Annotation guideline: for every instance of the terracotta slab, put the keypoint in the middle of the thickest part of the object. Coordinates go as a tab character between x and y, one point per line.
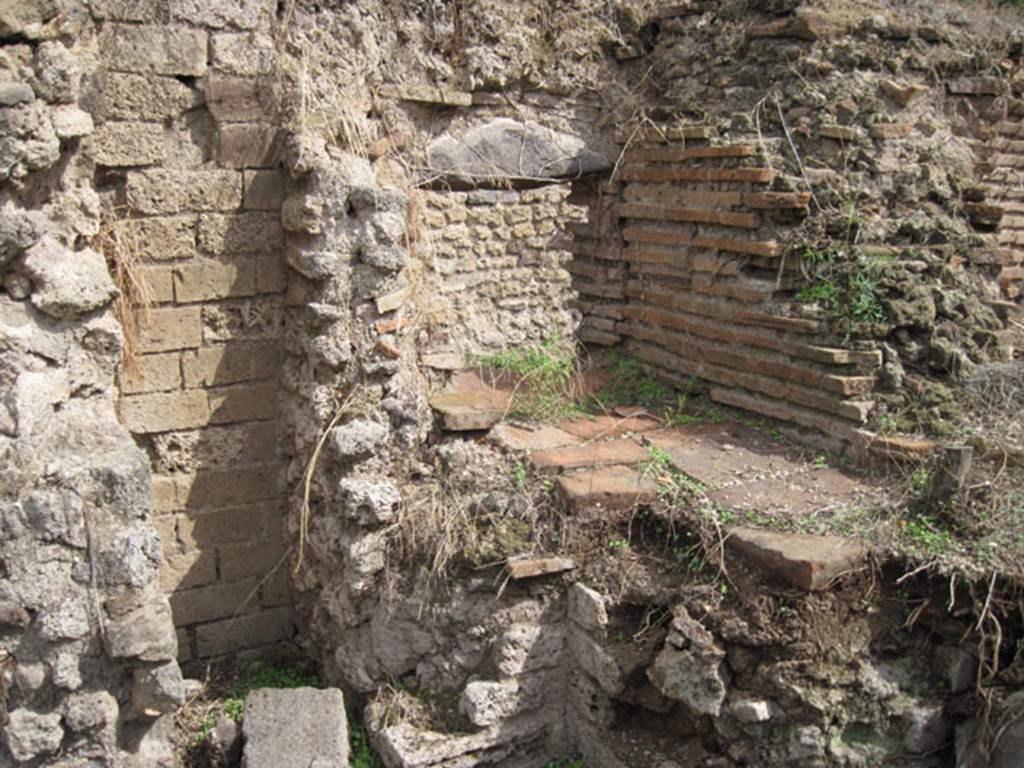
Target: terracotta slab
804	561
611	488
542	438
603	454
596	427
468	404
722	455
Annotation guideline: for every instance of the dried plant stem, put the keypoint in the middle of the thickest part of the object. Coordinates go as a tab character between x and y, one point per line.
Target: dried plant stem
307	480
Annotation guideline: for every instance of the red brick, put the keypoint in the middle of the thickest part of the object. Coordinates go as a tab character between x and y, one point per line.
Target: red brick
600	454
695	215
641	172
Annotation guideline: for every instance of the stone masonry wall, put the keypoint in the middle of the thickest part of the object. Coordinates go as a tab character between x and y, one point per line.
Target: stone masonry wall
497	269
87	647
187	146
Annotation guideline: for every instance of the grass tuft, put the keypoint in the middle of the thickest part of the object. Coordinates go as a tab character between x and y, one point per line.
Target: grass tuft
548	386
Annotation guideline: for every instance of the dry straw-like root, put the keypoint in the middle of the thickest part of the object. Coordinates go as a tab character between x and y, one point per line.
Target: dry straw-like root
119	242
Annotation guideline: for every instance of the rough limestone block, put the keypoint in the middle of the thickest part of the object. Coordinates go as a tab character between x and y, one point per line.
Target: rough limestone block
505	148
232	99
250	232
157	690
243	14
249	145
167	191
164	411
295	728
264	190
243	53
587	607
68	284
169	329
128	96
30	735
163	50
486	702
205	279
145	633
160	238
263	628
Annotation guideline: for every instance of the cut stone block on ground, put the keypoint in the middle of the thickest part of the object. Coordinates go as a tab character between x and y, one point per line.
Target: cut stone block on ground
801	560
610	488
295	728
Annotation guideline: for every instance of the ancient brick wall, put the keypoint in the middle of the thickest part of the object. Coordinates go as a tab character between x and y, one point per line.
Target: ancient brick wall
187	145
693	254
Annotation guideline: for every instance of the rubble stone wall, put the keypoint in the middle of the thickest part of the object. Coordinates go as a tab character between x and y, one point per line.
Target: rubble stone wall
88	674
497	263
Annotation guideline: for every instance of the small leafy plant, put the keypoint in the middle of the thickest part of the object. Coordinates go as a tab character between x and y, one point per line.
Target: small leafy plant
845	286
548	371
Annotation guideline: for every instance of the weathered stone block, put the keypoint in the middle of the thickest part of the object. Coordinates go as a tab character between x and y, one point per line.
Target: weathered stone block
170	191
587	607
71	122
227	488
230	525
145	633
128	144
243	403
164	411
187	570
164	50
160	238
297	726
159	282
264	190
249	145
229	364
165	494
243	53
67	284
243	14
157	690
486	702
205	279
151	373
358	438
127	96
259	558
263	628
271	276
250	232
215	601
127	10
169	329
233	99
31	735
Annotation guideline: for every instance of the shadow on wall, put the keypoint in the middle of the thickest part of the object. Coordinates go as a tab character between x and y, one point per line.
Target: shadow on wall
204	403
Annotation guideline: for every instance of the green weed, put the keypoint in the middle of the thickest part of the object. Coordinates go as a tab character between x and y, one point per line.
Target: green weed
566	763
920	480
845	286
361	755
928	537
269	676
548	371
